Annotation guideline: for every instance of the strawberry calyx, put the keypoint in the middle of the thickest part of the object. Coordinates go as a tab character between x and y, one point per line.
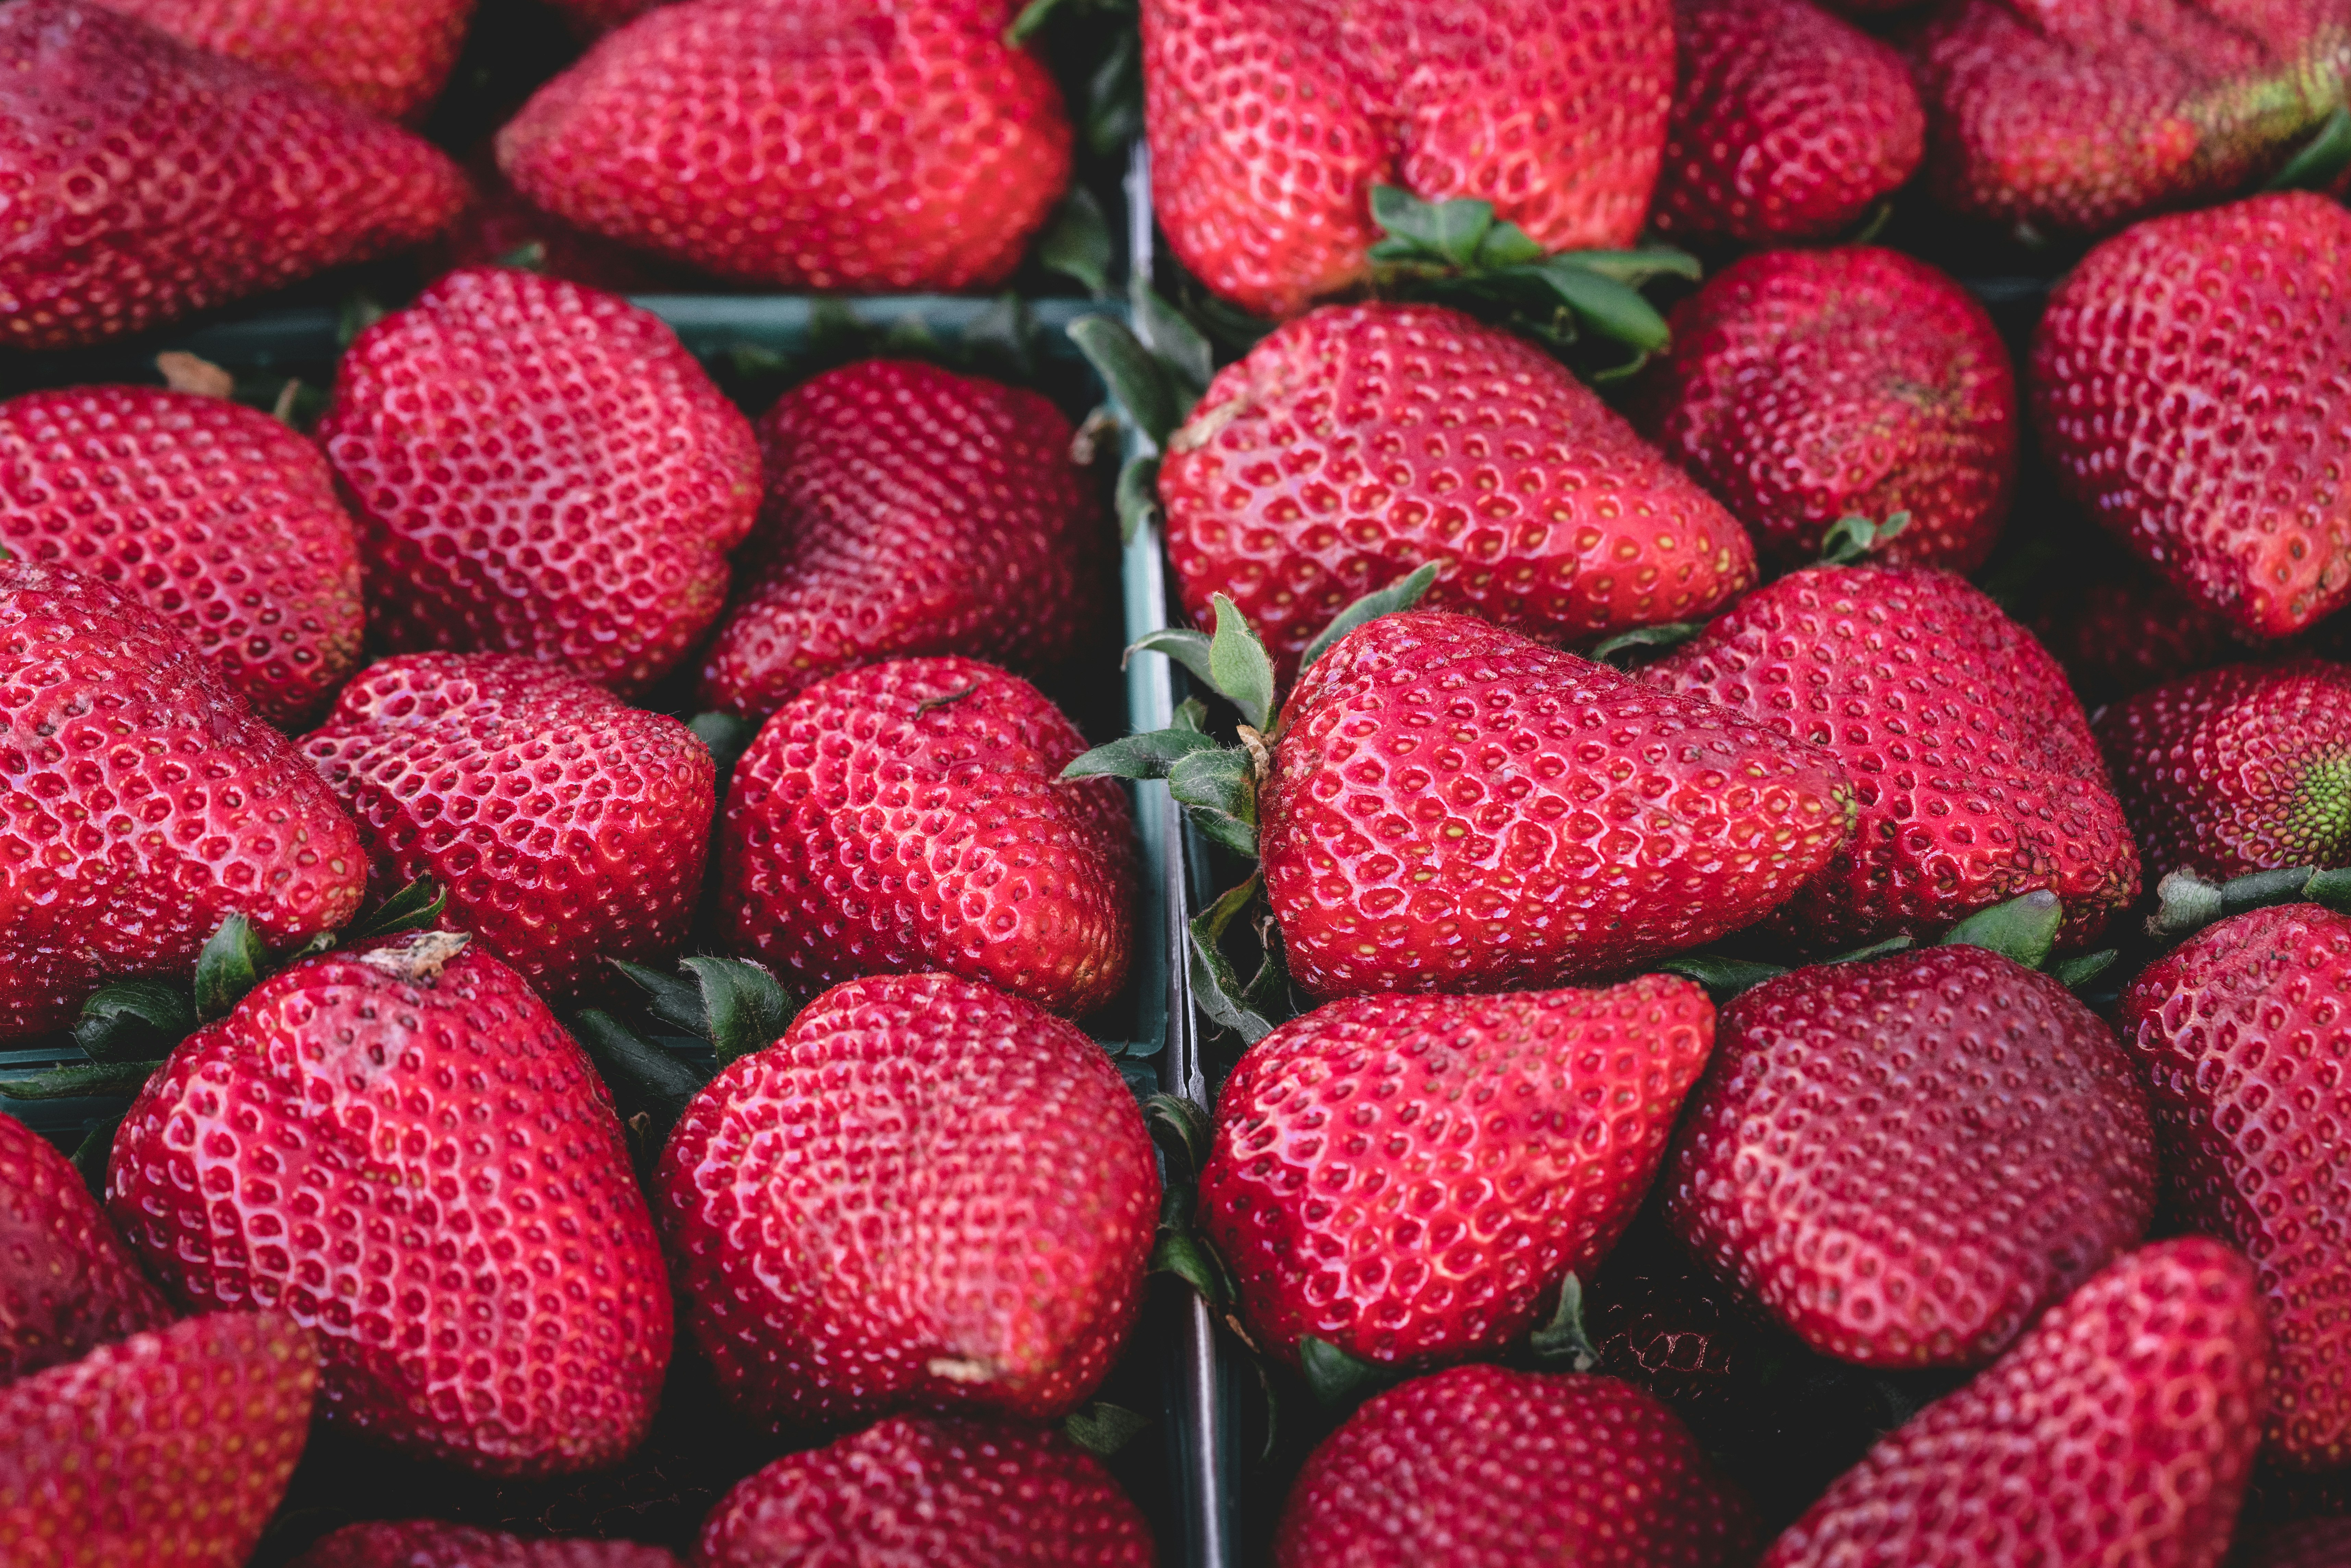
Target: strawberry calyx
2185	903
727	1008
1853	538
2319	161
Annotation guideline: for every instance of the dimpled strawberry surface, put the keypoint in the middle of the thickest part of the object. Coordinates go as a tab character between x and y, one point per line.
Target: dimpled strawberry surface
388	57
429	1544
67	1282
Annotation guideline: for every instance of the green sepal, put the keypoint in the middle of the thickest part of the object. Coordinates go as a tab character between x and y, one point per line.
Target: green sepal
1184	1254
727	736
1216	984
132	1019
1112	113
2320	160
359	311
1181	643
1852	536
636	1068
94	1152
2079	970
2186	904
1181	349
1561	1344
1722	977
1137	496
1143	386
1145	755
1637	267
1232	663
1337	1378
229	965
1184	1118
2021	930
73	1082
1217	787
743	1006
1402	594
1102	1429
1191	713
1665	634
1897	944
1076	244
530	256
414	908
672	1001
1614	311
1448	231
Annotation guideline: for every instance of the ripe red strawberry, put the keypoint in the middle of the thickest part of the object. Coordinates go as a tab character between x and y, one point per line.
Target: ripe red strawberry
1270	124
2119	1433
168	1450
1482	1468
960	1218
1906	1160
217	517
141	803
855	144
594	18
67	1284
539	468
2243	1035
148	180
2115	637
388	57
909	511
2307	1543
1974	769
498	228
402	1148
1787	123
429	1544
915	1489
568	826
1806	386
1352	446
912	816
1404	1177
2156	336
1453	807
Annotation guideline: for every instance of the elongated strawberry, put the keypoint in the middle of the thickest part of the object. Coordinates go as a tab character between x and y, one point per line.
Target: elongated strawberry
388	57
67	1285
429	1544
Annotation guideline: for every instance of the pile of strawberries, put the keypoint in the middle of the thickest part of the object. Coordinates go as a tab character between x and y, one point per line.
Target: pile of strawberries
1778	824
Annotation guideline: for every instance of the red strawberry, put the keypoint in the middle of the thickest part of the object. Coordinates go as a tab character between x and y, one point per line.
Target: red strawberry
539	468
141	803
429	1544
1352	446
1787	123
2309	1544
960	1217
2119	1433
2244	1038
568	826
1481	1468
2121	636
388	57
217	517
1975	772
949	1494
67	1284
853	144
498	228
1906	1160
594	18
403	1149
1270	124
1405	1178
2185	389
912	816
169	1450
1453	807
909	511
1806	386
147	179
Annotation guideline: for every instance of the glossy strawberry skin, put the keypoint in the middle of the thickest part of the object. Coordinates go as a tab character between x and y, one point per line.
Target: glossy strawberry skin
539	468
1512	1467
150	180
215	515
964	1225
1787	123
429	1544
846	145
2118	1433
1270	124
67	1285
2241	1034
1356	445
419	1165
2235	309
916	1488
168	1450
388	57
1444	794
141	803
909	512
1405	1178
1975	773
1804	386
1906	1160
867	835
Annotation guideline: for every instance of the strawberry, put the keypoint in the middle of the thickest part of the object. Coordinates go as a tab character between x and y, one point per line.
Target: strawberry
403	1150
909	511
2243	1035
1482	1468
539	468
217	517
590	19
857	144
2307	1543
1355	444
568	826
915	1489
141	803
1493	1145
498	228
168	1450
2118	1433
429	1544
1906	1160
1788	122
1973	766
2116	636
389	58
922	1239
1444	794
2161	326
1806	386
911	816
1270	124
67	1284
148	180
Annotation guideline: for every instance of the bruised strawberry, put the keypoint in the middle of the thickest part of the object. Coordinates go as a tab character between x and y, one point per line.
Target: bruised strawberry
429	1544
388	57
1356	445
1806	386
67	1284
